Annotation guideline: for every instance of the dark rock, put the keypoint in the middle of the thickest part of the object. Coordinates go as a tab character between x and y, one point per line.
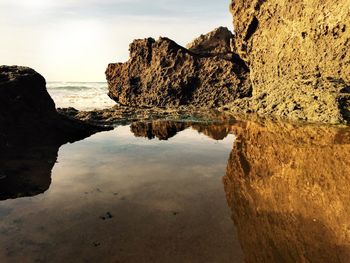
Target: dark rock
28	115
31	132
107	216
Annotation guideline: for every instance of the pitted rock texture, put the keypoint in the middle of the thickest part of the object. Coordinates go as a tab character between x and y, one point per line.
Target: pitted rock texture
298	54
162	73
217	42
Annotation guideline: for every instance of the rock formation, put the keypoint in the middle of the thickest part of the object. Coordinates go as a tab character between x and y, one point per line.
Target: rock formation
298	54
288	60
31	132
287	187
162	73
28	114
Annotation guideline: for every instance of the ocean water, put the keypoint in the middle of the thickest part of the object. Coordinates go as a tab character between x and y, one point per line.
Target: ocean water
80	95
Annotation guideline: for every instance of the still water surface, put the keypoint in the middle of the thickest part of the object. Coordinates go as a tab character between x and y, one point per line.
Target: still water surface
184	192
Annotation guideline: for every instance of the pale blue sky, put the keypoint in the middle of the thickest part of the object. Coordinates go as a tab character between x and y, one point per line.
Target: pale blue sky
74	40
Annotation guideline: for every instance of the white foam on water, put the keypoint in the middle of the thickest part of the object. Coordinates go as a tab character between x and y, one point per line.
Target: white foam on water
80	95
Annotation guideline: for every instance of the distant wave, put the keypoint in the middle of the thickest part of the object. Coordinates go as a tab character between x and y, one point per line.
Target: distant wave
76	85
80	95
78	88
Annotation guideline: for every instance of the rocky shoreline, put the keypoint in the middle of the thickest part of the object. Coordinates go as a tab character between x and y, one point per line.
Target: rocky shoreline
301	74
286	61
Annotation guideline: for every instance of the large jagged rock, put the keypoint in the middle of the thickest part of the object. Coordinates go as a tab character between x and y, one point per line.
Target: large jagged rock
288	189
162	73
298	53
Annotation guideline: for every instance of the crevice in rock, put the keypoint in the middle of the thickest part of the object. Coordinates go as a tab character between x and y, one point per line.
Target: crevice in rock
239	61
253	26
344	106
258	4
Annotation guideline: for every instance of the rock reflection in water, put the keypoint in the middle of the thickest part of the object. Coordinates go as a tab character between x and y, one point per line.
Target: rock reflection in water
117	198
26	162
288	189
26	171
164	130
286	185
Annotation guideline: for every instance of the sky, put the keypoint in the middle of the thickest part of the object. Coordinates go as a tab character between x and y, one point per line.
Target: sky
74	40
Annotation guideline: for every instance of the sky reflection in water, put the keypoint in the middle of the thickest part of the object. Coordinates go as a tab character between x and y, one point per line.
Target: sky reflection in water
118	198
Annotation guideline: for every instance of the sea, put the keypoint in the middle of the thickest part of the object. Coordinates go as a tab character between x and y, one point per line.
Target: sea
80	95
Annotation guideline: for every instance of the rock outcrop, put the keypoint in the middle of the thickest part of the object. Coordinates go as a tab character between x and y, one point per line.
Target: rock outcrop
298	54
162	73
31	132
28	114
287	186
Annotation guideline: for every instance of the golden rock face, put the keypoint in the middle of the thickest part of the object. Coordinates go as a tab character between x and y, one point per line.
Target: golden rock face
161	73
298	53
288	189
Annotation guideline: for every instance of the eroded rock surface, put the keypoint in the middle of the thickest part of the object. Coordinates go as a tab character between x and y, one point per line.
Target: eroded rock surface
287	186
298	54
162	73
217	42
